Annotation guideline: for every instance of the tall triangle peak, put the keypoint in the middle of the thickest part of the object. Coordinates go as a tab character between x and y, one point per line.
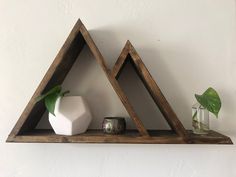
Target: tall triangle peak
57	72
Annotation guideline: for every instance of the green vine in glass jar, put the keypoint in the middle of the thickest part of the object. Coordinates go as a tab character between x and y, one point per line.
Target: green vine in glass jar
209	100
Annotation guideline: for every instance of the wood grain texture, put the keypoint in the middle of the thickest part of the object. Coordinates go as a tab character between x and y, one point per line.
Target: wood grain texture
24	130
129	53
130	137
56	74
212	137
113	82
120	62
124	99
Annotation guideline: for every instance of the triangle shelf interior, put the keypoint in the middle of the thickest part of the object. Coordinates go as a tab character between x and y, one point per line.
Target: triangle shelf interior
24	130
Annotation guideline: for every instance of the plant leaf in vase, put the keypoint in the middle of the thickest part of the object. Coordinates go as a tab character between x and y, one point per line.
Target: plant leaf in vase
50	102
51	97
210	100
56	89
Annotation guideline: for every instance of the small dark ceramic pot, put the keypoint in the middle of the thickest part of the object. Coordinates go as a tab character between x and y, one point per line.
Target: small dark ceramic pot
114	125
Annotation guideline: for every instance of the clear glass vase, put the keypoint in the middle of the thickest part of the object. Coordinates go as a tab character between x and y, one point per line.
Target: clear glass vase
200	118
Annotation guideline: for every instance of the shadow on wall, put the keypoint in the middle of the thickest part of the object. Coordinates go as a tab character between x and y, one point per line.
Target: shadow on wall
86	78
142	102
112	41
95	86
140	99
109	44
167	83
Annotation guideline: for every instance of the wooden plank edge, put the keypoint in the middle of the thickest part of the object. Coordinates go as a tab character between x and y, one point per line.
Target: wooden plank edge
95	139
23	117
120	62
224	140
125	101
98	56
156	93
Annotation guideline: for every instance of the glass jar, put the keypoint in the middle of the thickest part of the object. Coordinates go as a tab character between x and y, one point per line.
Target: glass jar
200	118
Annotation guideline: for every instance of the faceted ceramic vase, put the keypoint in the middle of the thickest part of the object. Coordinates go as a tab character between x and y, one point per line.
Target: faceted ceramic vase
72	116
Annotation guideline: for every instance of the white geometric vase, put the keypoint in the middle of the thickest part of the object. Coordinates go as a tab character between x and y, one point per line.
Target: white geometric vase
72	116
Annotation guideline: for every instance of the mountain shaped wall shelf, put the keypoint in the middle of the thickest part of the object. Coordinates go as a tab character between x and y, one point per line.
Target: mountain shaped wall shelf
25	131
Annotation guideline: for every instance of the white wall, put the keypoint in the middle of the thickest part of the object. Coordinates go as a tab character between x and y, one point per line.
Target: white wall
187	45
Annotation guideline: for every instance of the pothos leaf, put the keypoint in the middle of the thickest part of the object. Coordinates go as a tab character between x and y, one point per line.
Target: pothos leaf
51	97
50	102
210	100
56	89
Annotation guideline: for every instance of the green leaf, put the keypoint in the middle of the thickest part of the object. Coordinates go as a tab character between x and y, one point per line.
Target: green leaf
51	97
210	100
50	101
56	89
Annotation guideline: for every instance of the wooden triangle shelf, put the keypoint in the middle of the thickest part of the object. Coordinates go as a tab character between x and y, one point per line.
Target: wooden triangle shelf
25	131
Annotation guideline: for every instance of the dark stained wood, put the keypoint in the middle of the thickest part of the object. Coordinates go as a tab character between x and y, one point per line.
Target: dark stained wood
113	82
211	138
24	130
130	137
97	136
129	53
56	74
120	62
124	99
93	48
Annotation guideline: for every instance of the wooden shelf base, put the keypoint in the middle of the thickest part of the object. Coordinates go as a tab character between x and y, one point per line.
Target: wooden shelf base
130	137
57	72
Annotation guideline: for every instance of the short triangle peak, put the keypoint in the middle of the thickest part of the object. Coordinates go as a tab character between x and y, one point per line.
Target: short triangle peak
130	54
